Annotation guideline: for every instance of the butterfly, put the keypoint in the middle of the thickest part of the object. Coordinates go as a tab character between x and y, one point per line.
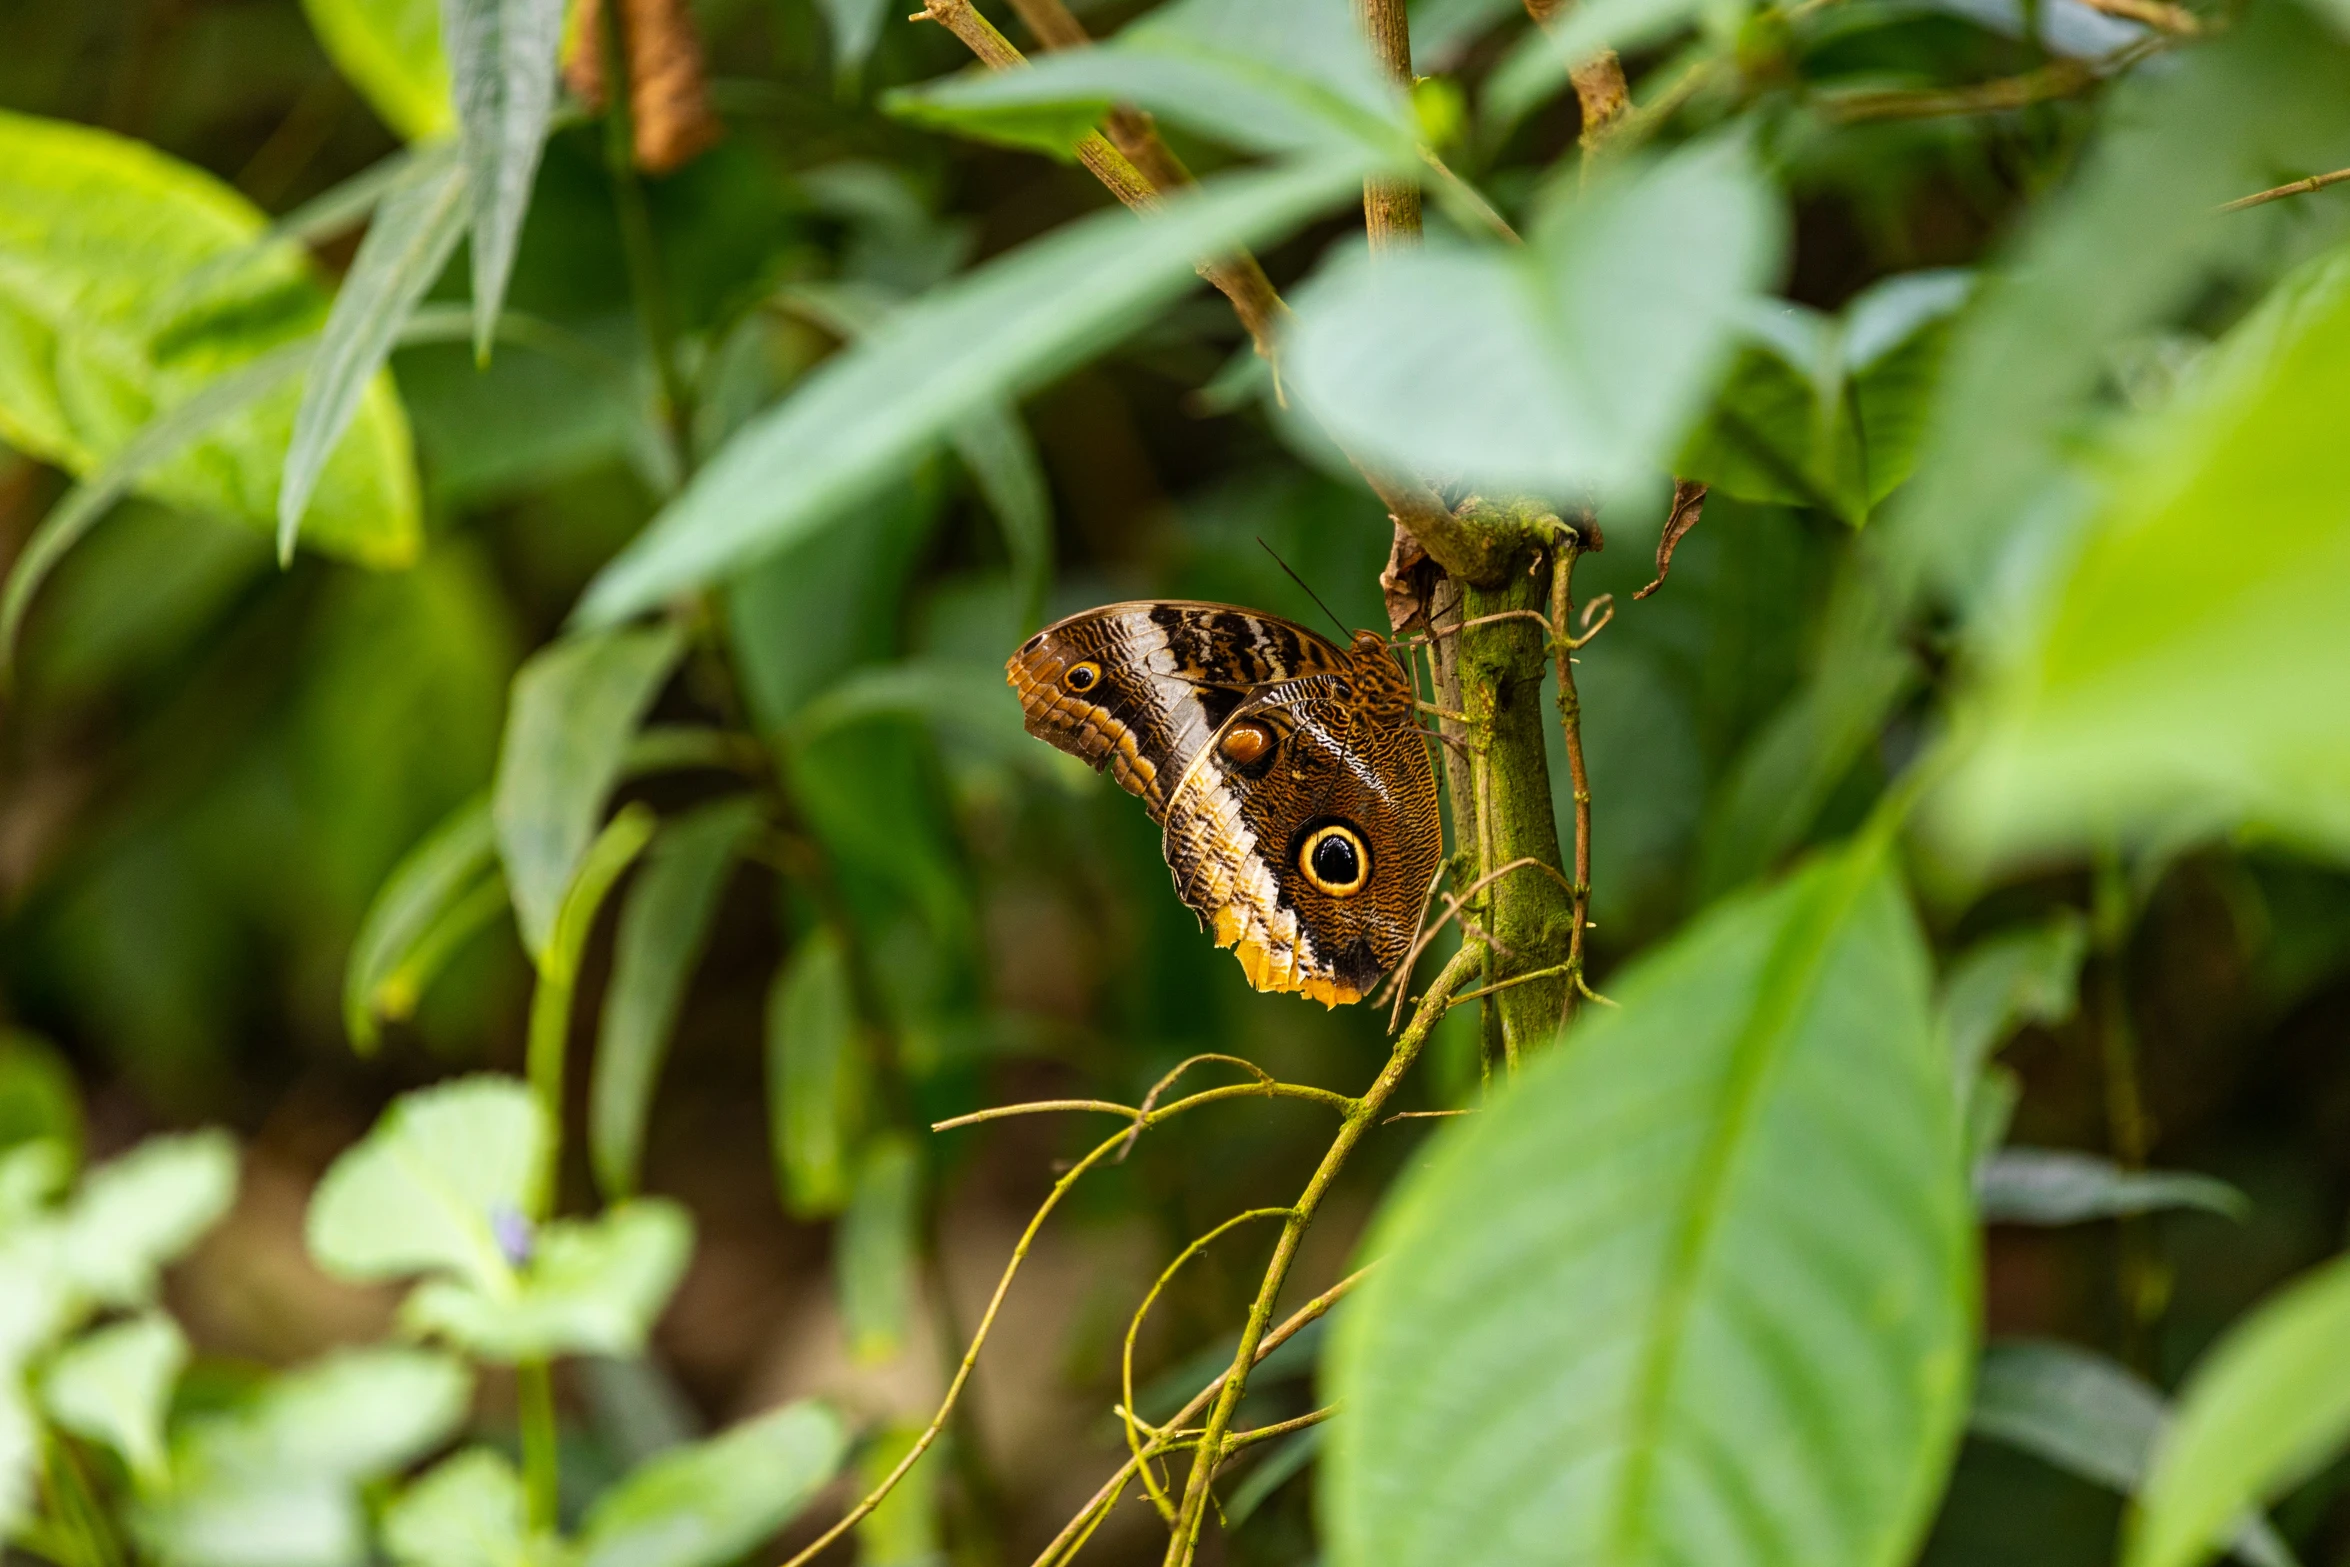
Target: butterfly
1287	773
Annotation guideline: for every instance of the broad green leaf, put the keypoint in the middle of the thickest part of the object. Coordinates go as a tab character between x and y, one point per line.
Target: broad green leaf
977	342
2266	1407
2074	736
815	1077
589	1287
903	1531
114	1386
439	893
575	705
275	1483
880	1245
468	1511
1573	362
663	928
2004	981
2057	1186
135	1213
2090	1417
549	1045
1828	411
708	1503
391	51
1294	77
427	1188
1698	1288
99	340
2133	240
415	230
501	57
39	1101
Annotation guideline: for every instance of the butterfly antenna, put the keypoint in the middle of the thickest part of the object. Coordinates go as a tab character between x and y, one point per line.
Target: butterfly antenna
1343	633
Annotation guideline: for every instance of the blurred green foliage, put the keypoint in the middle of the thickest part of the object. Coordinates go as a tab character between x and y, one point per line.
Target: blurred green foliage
615	802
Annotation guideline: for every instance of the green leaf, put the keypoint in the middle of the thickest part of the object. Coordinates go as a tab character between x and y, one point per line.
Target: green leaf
468	1511
2089	1417
2056	1186
136	1213
549	1046
1295	77
20	1455
1010	326
590	1287
1825	411
2073	735
706	1504
1573	362
439	892
274	1484
425	1189
815	1077
995	449
970	700
663	928
855	26
2004	981
39	1101
903	1531
114	1386
2266	1407
502	67
1698	1288
391	51
574	707
99	340
415	229
880	1248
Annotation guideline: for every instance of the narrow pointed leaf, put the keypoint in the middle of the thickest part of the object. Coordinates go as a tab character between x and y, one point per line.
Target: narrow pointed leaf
549	1046
501	57
2057	1186
1696	1289
994	447
574	708
663	928
982	340
417	226
384	977
880	1248
815	1077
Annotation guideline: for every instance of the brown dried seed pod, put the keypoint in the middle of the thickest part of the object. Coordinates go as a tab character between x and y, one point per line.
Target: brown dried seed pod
668	96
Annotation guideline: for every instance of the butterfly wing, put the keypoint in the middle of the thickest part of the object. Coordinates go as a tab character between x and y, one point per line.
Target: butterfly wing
1137	689
1307	833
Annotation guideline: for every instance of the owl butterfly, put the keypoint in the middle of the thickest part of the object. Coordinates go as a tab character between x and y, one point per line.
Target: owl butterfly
1289	779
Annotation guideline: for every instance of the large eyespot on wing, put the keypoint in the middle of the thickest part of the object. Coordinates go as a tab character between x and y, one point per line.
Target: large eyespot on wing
1334	859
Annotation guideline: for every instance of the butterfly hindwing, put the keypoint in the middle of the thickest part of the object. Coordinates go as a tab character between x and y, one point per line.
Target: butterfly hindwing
1294	789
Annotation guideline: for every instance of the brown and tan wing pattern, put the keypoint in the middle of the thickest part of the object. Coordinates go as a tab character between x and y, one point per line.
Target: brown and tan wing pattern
1137	689
1307	833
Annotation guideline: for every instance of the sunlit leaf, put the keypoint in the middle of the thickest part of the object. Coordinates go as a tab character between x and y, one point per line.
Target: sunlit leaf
391	51
709	1502
815	1077
2089	1417
114	1385
1269	78
2057	1186
1698	1288
589	1286
986	338
437	894
20	1452
663	928
501	56
38	1098
1574	362
2074	736
415	229
428	1188
137	1212
99	339
574	708
468	1511
880	1248
2265	1408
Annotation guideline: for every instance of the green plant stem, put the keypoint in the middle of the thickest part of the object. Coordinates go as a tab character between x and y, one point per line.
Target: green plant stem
534	1401
1570	700
2141	1278
1359	1119
639	250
